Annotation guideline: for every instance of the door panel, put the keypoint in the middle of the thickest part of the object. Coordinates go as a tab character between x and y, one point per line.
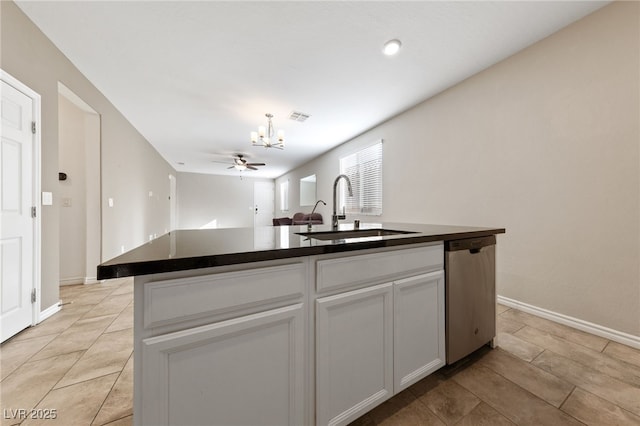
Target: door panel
17	232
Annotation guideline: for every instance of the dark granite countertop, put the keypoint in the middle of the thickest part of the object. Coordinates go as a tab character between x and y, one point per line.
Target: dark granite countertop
203	248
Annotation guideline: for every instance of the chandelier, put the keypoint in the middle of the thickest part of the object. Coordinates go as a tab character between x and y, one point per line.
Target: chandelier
267	137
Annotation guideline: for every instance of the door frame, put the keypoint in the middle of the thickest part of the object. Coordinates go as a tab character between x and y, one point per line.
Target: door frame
36	186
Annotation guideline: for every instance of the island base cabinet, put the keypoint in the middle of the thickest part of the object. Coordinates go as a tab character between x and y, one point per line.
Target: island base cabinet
354	353
418	328
244	371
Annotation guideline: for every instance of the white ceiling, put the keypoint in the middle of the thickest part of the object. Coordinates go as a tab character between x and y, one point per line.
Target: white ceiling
196	77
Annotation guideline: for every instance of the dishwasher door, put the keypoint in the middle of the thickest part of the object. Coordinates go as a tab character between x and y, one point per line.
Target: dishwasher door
470	280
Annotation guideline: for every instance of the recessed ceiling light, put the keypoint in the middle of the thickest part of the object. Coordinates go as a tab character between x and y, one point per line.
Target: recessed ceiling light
391	47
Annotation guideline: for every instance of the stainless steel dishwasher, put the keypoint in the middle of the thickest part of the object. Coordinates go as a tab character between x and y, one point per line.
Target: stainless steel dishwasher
470	281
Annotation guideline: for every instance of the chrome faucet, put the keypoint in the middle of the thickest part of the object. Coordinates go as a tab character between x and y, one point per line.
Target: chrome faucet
316	206
312	211
335	217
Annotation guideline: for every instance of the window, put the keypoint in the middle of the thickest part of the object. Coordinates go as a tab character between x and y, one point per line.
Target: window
364	169
284	196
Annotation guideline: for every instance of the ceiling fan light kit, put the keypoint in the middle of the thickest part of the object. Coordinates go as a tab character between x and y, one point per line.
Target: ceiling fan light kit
241	164
267	137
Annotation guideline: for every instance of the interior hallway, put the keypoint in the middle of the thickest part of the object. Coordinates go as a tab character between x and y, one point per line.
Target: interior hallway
79	362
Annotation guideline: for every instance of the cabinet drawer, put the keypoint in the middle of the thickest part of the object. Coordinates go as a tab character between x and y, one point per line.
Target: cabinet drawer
374	268
171	301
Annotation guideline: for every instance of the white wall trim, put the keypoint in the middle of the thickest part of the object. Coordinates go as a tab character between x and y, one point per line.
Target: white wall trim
36	315
72	281
589	327
49	311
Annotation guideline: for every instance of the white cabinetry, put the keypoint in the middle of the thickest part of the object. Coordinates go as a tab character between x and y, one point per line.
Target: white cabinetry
244	371
418	328
354	356
376	340
225	347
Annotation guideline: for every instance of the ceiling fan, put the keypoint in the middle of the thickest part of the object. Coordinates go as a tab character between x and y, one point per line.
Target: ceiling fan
241	164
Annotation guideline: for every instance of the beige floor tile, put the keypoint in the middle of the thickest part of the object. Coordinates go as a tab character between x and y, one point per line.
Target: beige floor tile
571	334
79	337
427	384
604	363
107	355
595	382
596	411
544	385
392	406
501	308
124	288
515	403
126	421
123	321
71	307
504	325
76	404
450	401
518	347
119	402
623	352
403	410
14	353
33	380
55	324
111	305
484	415
90	297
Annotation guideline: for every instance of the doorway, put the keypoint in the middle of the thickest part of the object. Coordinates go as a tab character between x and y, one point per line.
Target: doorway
264	203
79	188
20	206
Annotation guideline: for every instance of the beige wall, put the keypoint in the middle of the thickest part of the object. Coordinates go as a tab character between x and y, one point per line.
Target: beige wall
205	200
545	144
131	168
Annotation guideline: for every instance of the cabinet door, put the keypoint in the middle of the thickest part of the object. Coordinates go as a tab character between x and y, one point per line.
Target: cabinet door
245	371
354	353
419	340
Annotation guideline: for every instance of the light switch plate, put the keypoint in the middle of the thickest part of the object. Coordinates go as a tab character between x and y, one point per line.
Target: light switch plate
47	198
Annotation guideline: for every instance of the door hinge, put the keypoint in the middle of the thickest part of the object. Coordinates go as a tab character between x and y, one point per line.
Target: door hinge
33	211
33	127
33	296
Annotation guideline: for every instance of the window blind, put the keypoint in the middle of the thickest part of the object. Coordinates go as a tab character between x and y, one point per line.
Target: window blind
364	170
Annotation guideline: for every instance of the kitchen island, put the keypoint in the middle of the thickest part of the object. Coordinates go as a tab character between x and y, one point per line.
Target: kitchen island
274	325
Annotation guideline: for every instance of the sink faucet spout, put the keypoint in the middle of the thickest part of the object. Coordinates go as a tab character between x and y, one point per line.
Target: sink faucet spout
335	217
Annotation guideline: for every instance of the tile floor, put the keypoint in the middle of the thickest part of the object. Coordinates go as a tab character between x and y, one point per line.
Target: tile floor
79	362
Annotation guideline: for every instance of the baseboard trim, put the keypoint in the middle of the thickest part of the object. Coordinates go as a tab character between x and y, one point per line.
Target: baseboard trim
598	330
48	312
91	280
71	281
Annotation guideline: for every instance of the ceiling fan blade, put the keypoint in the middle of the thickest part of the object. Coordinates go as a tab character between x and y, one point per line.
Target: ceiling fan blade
232	167
255	164
251	167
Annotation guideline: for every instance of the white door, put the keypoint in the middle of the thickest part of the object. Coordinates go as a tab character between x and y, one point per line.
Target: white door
264	203
16	201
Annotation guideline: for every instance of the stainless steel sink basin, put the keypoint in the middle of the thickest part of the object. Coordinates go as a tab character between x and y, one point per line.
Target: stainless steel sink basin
355	233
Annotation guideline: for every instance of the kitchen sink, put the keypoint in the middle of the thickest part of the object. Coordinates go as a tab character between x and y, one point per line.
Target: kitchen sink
352	233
